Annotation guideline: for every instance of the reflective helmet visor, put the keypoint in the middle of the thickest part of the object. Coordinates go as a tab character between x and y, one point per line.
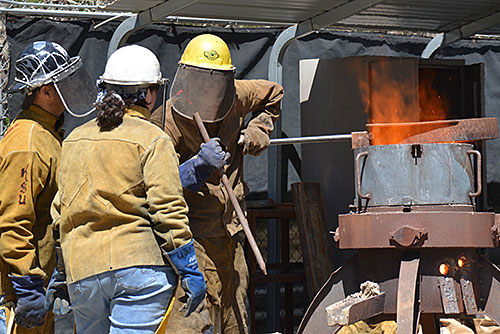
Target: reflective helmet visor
209	92
77	92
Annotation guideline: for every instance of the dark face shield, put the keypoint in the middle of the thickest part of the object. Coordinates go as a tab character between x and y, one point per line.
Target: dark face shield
76	90
209	92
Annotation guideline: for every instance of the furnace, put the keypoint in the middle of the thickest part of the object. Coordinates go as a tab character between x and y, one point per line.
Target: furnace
417	219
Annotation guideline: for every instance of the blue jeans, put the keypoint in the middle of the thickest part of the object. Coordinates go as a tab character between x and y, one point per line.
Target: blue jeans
131	300
3	320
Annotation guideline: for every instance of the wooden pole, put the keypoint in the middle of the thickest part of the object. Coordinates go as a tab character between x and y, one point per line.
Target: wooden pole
234	201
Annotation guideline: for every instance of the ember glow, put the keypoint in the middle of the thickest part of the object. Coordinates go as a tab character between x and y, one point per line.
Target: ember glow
397	92
444	269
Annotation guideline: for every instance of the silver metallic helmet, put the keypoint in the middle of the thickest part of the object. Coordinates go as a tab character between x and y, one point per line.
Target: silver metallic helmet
46	62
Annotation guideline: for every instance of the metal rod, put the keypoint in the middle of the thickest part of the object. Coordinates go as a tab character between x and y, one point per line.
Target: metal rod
107	15
311	139
60	13
234	201
40	4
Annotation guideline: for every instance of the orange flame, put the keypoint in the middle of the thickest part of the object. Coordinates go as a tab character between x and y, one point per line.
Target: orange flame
433	107
396	92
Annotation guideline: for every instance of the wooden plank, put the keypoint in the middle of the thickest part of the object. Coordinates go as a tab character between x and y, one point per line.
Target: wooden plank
317	244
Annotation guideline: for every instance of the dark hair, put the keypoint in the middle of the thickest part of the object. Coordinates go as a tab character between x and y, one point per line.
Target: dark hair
110	111
112	108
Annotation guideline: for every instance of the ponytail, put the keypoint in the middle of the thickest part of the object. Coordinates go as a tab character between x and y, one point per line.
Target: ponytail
111	107
110	111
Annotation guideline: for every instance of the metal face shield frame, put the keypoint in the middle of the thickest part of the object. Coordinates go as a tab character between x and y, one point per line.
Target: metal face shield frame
209	92
76	90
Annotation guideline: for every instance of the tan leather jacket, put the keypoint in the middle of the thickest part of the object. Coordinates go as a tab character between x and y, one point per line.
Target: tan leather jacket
120	198
211	214
29	158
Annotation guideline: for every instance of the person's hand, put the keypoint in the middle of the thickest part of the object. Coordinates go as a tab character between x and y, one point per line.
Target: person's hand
30	311
192	280
212	155
195	171
57	298
254	141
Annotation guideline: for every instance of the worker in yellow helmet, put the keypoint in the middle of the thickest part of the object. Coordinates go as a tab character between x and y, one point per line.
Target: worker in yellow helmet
205	83
119	214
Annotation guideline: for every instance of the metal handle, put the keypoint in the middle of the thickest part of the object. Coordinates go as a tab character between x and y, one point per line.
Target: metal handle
478	173
358	176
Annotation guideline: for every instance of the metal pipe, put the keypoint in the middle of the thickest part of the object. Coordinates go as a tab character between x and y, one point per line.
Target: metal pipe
60	13
311	139
106	15
39	4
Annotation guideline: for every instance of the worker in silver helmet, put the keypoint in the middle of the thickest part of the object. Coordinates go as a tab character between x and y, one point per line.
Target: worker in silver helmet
29	160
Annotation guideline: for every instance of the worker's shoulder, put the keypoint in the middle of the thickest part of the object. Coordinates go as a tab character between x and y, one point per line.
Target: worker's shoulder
23	134
87	129
252	84
142	130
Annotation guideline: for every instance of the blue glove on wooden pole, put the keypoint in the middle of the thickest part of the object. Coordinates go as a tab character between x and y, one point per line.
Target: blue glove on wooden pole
195	171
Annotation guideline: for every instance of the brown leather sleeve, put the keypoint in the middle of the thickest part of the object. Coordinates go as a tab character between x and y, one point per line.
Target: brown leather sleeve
22	175
165	121
263	99
167	207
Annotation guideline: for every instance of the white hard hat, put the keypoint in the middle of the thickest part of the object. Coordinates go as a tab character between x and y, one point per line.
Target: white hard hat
132	65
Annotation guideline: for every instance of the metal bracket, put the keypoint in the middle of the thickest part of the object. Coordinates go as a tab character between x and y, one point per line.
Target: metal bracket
407	236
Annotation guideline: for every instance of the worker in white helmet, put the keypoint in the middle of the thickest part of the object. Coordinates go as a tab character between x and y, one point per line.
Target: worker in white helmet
119	214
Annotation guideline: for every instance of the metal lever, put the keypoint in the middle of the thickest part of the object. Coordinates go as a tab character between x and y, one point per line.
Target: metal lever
311	139
478	173
358	176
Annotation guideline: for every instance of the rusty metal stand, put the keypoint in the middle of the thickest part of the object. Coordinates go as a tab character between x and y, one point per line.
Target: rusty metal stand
407	310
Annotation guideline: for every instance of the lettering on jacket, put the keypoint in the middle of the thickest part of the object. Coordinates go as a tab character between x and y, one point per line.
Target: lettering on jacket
24	185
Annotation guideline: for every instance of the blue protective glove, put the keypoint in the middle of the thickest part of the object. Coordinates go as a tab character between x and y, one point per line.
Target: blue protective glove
195	171
30	311
192	280
57	298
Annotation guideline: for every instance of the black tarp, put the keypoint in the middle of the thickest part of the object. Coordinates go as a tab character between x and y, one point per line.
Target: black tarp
250	49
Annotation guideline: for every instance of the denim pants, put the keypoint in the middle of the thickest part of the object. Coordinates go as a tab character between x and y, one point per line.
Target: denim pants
131	300
3	320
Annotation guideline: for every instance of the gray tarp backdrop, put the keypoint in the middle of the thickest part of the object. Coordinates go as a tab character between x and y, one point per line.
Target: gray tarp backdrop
250	50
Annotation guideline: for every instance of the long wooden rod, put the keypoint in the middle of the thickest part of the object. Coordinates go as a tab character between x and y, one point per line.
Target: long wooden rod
234	201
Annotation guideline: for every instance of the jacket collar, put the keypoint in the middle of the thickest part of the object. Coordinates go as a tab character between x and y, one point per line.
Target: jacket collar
138	111
50	122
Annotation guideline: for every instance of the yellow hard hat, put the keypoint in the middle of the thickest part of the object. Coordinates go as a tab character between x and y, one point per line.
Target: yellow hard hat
207	51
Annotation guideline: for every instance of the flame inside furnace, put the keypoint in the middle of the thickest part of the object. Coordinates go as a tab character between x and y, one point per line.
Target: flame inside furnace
396	91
